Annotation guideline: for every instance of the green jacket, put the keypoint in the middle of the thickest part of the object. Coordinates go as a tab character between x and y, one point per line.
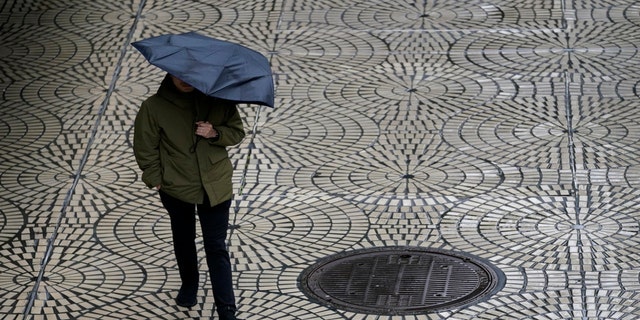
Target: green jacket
169	153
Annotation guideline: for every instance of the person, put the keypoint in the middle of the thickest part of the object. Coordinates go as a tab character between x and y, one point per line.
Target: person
180	140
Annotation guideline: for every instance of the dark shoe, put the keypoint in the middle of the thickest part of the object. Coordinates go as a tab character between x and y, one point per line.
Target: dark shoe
227	313
187	297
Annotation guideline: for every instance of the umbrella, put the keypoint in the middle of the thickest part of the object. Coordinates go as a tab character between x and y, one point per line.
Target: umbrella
217	68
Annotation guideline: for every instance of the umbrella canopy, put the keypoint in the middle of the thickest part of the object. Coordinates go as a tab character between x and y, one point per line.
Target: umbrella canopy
217	68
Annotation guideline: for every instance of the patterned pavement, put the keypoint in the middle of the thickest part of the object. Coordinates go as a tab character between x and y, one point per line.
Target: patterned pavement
503	129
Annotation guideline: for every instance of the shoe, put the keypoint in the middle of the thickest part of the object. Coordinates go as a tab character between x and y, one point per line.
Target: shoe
227	313
187	297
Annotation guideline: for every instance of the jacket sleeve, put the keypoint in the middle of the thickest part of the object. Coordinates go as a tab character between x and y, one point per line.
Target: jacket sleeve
231	132
146	146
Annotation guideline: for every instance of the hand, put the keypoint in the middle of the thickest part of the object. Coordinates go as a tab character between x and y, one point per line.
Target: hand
158	187
206	130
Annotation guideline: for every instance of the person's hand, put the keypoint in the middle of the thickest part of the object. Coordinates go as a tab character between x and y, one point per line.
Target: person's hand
158	187
206	130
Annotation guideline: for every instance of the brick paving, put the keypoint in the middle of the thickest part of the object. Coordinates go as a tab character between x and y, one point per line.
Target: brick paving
507	130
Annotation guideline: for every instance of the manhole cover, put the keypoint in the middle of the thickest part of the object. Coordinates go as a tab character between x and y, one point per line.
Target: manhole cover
400	280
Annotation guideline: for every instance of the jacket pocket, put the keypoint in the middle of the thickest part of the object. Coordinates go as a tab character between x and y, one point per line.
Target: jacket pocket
179	174
217	179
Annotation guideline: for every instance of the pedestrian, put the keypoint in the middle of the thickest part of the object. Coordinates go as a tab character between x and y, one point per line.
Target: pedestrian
180	140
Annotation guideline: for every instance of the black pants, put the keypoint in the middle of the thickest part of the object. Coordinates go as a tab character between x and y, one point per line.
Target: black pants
214	222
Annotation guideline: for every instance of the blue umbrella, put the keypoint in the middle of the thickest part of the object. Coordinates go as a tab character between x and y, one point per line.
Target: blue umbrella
217	68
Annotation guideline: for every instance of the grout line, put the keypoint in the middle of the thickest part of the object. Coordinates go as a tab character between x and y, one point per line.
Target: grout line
243	176
77	176
568	14
254	132
570	141
251	146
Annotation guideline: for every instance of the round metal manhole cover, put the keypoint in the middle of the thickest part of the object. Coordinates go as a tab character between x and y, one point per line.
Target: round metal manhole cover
400	280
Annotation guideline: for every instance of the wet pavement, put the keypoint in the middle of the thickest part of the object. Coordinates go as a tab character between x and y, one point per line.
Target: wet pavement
505	130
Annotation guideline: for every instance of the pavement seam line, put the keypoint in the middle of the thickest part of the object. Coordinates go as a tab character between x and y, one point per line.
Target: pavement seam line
77	176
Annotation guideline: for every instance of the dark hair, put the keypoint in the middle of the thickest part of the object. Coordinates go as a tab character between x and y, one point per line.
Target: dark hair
167	84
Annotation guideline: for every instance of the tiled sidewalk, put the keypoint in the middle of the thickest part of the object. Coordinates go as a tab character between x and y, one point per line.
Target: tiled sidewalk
508	130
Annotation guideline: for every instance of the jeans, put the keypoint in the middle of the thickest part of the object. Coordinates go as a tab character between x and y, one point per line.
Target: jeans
214	222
